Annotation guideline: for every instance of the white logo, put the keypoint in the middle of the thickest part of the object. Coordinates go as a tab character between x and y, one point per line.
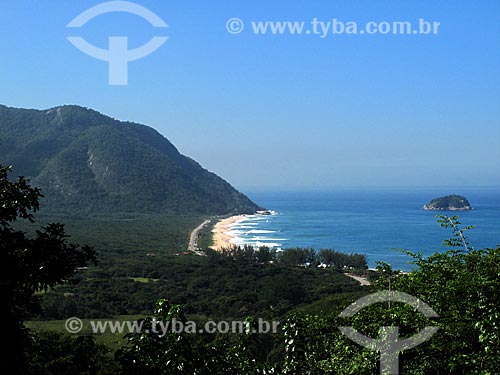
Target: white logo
389	345
117	55
73	325
234	25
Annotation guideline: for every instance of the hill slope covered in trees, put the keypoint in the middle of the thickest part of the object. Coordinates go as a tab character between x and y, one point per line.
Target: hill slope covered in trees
90	164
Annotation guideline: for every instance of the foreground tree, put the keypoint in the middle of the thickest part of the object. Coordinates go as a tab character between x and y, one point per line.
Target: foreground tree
178	351
462	285
29	264
56	353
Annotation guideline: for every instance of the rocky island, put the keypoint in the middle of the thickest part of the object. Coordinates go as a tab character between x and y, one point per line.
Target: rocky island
450	202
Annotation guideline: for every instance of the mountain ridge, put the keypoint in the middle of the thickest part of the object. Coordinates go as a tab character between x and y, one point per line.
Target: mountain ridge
90	164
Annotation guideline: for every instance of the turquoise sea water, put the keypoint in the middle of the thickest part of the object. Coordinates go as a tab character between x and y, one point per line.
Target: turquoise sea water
374	222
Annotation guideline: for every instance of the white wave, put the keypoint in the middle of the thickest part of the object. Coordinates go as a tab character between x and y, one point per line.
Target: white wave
260	231
255	218
237	241
268	244
234	232
261	238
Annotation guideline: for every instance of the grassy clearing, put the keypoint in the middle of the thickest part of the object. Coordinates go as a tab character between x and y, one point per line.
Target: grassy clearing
113	340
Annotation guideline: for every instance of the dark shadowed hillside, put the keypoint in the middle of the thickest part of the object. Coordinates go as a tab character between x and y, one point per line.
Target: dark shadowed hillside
90	164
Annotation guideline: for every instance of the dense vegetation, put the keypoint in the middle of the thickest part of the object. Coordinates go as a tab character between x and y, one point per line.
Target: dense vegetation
89	164
142	259
462	285
217	286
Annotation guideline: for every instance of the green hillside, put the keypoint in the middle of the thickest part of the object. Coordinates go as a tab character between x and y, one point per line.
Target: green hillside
89	164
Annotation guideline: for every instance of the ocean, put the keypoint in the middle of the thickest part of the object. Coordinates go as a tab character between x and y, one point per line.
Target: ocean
374	222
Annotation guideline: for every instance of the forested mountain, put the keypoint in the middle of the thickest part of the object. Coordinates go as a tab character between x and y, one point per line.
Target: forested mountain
89	164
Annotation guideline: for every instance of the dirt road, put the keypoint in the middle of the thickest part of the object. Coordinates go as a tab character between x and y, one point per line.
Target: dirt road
363	281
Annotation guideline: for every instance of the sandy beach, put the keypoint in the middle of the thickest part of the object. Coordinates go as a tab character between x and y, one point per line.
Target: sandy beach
220	234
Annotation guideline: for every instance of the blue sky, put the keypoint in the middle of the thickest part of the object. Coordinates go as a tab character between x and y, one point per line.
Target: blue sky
274	111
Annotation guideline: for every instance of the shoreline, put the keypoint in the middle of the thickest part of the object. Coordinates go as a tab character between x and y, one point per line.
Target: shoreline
220	235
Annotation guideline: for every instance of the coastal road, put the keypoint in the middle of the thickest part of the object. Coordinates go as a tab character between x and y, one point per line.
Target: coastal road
363	281
194	236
